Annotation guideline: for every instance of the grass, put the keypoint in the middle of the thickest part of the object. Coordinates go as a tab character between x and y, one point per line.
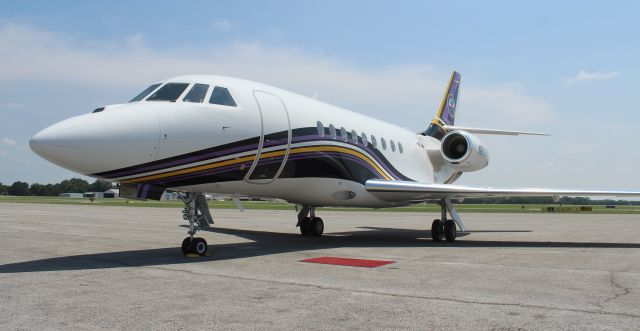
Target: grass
272	205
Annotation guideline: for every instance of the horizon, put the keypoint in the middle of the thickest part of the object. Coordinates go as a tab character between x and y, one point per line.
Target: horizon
560	68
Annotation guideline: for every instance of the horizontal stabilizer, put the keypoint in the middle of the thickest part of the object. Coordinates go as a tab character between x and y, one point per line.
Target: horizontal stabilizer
492	131
402	190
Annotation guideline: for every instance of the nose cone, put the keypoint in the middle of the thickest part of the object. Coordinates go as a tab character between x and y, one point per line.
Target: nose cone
55	143
93	143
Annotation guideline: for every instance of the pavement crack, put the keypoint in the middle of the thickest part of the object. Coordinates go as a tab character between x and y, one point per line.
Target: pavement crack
614	283
405	295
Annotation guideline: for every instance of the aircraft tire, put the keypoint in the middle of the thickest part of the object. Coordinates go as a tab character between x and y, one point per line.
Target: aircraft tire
305	227
437	230
186	246
316	227
200	246
450	230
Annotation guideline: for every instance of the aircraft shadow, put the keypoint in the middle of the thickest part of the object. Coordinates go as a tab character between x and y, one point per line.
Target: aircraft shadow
268	243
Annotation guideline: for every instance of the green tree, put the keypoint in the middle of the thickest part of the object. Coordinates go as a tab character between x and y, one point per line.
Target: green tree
19	188
100	186
73	185
3	189
40	190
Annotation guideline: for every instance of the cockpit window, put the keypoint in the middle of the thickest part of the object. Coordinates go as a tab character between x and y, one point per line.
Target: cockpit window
169	92
221	96
197	93
145	92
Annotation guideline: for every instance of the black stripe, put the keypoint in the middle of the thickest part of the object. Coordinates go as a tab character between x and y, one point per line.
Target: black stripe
317	167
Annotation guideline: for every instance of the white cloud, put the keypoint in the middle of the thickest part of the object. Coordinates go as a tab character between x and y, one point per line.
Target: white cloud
222	24
413	90
7	142
584	76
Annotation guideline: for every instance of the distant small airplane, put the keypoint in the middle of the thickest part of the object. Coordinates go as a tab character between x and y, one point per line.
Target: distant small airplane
212	134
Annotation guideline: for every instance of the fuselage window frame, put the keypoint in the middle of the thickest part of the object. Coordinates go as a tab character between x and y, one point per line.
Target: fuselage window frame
400	149
383	143
393	145
193	88
228	99
146	92
182	87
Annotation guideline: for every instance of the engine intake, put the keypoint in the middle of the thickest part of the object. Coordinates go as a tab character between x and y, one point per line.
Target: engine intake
464	152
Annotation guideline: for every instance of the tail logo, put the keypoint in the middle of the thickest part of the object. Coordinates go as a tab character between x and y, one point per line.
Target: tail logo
451	101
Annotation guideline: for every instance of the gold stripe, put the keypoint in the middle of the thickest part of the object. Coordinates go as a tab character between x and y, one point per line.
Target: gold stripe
190	170
263	156
444	97
343	150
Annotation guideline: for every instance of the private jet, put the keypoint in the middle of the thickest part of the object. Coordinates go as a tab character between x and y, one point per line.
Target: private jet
204	134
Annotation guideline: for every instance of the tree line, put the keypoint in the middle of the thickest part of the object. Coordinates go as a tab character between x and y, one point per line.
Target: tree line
73	185
549	201
78	185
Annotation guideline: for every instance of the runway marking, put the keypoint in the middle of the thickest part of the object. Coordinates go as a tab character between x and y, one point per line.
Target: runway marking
348	262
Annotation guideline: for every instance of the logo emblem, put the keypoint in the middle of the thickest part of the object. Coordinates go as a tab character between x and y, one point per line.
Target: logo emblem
451	101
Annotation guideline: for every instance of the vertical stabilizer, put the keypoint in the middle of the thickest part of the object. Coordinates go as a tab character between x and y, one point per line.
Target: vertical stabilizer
446	114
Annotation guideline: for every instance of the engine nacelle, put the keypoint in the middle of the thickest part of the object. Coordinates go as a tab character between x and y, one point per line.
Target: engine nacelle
464	151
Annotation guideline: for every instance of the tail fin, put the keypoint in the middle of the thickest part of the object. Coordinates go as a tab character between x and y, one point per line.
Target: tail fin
446	114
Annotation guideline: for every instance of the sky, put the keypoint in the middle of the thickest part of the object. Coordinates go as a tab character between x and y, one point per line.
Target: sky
568	68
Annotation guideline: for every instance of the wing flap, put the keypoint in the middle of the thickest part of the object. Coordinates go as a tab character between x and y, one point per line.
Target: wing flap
402	190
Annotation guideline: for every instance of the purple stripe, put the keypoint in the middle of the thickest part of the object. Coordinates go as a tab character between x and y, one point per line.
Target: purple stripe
370	151
241	149
307	155
184	161
143	191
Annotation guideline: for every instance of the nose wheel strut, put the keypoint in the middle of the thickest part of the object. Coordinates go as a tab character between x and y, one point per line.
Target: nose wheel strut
192	212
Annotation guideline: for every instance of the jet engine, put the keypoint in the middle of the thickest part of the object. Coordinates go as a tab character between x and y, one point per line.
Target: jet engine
464	151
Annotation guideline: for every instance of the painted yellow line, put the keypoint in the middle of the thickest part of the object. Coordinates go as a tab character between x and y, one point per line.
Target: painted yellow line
263	156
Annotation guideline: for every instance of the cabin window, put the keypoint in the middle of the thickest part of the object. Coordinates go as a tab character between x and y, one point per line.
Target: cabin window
364	139
400	147
332	131
374	142
354	136
383	143
221	96
146	92
393	145
320	129
197	93
343	134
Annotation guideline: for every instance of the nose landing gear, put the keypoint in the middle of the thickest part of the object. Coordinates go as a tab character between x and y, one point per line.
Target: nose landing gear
195	210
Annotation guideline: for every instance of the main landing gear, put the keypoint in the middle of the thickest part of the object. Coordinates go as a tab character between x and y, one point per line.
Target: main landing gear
444	227
196	212
310	225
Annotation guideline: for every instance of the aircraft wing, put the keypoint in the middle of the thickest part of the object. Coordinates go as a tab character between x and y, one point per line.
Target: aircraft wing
493	131
401	190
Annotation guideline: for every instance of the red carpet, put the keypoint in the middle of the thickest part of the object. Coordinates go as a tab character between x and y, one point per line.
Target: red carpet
348	262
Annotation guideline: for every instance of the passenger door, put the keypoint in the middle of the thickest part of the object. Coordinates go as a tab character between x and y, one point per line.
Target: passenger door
275	139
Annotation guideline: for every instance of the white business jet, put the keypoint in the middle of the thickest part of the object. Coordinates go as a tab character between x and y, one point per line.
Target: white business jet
214	134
